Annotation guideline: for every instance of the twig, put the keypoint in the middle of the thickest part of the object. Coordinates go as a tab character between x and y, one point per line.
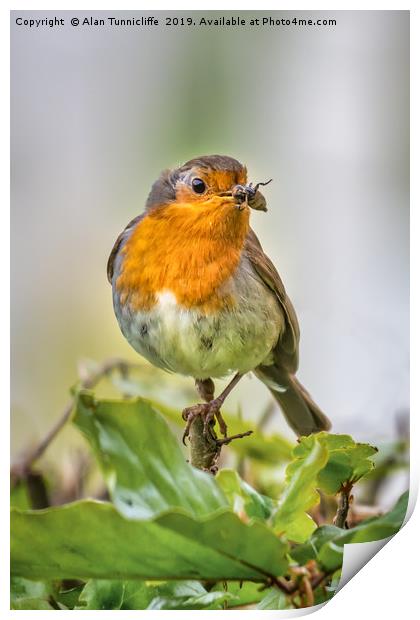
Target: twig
308	592
205	447
318	579
20	470
226	440
292	586
344	499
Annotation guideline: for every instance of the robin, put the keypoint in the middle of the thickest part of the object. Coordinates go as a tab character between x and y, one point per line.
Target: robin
195	294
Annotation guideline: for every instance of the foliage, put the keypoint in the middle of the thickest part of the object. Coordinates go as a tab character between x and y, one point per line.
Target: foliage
346	462
291	516
173	537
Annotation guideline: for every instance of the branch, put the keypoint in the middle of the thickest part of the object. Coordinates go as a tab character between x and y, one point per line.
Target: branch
205	448
344	500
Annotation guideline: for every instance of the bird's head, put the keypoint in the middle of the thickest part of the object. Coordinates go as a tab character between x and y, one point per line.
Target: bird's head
206	183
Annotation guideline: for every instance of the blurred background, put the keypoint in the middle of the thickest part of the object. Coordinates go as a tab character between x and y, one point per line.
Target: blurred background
98	112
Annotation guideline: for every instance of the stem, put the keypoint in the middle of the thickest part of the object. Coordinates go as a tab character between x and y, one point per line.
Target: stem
340	519
205	448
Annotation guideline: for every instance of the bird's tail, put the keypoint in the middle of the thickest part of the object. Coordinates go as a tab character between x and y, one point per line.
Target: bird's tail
302	414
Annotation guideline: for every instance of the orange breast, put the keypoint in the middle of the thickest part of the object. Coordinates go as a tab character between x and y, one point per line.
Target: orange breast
190	250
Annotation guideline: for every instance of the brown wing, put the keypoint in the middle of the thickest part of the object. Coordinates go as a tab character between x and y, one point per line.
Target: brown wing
120	239
286	352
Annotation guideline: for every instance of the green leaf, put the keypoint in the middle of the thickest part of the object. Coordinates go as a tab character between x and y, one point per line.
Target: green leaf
242	497
101	594
27	594
19	496
137	595
274	599
89	539
187	595
309	551
142	462
330	554
111	594
31	603
326	544
186	531
69	597
347	462
300	495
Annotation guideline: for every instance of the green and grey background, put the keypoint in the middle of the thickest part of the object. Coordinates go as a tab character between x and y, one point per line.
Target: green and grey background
97	112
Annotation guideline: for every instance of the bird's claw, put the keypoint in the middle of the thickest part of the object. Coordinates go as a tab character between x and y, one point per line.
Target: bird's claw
208	411
189	414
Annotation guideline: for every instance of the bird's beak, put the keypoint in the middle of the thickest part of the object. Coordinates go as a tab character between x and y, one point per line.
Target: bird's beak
250	195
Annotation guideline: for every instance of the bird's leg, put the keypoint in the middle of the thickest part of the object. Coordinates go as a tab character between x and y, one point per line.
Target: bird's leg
211	408
216	404
205	388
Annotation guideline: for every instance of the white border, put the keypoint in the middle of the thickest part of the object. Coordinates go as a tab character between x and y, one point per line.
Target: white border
376	589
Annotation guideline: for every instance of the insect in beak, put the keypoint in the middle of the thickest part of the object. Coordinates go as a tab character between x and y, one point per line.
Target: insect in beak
248	196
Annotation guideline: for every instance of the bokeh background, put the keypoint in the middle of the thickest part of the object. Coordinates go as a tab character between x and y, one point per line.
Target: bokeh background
324	111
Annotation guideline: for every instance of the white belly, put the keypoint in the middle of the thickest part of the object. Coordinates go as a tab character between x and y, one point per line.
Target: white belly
188	342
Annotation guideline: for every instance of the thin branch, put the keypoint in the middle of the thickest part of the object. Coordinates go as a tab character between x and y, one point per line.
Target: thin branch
308	592
344	500
227	440
204	449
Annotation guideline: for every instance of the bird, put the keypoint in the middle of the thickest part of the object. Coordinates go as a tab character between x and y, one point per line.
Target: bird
195	294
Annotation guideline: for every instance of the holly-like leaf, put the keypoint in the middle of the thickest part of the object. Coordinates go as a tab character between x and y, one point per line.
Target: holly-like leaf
347	462
300	494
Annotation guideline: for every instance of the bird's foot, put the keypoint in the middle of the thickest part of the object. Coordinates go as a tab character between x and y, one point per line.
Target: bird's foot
209	412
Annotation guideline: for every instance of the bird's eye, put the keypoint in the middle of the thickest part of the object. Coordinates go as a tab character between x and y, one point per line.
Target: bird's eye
198	186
